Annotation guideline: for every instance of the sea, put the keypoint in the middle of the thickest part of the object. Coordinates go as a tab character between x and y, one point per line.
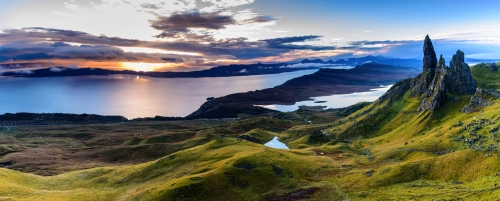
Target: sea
137	96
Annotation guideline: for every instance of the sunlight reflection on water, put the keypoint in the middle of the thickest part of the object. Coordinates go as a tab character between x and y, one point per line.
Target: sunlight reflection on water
129	96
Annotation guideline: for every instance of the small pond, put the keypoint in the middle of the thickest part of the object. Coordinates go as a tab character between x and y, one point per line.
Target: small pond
274	143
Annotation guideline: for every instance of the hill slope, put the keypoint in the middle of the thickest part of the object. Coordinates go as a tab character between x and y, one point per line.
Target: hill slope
425	139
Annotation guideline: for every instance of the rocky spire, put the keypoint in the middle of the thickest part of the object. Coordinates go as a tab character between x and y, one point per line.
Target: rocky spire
437	80
430	60
460	76
421	83
457	80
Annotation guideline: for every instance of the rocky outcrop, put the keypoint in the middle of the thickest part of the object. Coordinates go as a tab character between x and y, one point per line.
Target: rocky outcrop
493	67
317	136
437	81
478	101
430	59
435	96
421	83
460	78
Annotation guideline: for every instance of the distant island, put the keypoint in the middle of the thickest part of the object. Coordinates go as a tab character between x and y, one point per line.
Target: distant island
219	71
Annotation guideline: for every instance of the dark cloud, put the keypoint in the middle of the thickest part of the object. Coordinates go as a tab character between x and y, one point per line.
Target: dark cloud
183	21
28	51
179	24
259	19
70	33
60	35
172	60
382	42
293	39
285	43
56	46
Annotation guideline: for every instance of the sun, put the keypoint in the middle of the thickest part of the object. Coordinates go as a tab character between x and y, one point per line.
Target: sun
141	66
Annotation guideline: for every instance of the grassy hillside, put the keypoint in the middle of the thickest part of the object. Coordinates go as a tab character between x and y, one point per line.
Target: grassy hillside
485	77
383	151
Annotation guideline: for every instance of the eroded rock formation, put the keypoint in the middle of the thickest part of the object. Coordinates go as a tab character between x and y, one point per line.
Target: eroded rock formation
421	83
435	97
430	60
437	80
460	78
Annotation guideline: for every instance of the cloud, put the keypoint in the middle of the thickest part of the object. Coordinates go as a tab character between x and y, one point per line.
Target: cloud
286	43
183	21
73	66
172	60
233	47
244	71
60	14
23	71
35	43
73	7
2	69
379	43
228	3
56	69
150	6
218	5
247	16
182	25
30	51
293	39
301	65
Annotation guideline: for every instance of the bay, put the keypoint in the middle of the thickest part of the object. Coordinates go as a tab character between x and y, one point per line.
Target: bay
128	96
334	101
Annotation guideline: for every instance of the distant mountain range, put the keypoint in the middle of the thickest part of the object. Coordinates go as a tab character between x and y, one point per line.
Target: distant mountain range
221	71
369	58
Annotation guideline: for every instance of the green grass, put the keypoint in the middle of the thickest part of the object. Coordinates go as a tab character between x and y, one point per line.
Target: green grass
383	151
486	78
224	169
4	149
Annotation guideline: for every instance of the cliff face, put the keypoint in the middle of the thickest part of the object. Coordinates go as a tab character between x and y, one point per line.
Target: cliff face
437	80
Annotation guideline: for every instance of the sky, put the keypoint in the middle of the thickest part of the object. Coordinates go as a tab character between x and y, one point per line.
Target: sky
184	35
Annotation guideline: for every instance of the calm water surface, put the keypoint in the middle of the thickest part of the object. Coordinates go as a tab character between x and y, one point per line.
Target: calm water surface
335	101
275	143
129	96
